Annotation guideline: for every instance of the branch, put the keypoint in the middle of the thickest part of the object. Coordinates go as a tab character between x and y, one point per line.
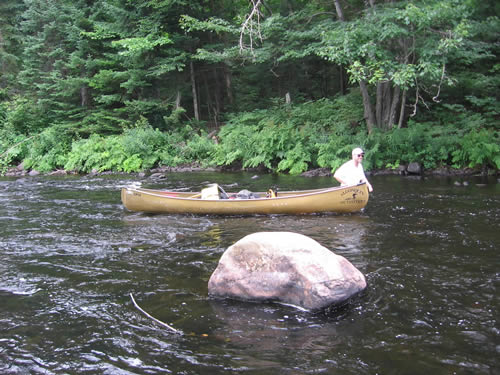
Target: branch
153	318
17	144
248	25
417	95
435	98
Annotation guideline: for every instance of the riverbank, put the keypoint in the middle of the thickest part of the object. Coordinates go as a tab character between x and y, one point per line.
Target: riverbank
413	169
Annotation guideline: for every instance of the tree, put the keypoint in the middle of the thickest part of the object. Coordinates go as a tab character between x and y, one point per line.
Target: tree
10	41
397	47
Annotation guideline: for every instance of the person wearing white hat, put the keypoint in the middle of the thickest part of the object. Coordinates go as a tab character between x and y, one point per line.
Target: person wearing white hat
352	172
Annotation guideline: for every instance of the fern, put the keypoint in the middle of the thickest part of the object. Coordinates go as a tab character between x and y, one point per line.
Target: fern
295	160
478	149
48	150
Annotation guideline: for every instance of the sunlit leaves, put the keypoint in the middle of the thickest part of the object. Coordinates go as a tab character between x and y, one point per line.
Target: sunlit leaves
404	77
213	24
135	47
99	33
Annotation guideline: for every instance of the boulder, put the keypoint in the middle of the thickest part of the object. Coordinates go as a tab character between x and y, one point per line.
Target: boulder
319	172
414	168
58	172
285	267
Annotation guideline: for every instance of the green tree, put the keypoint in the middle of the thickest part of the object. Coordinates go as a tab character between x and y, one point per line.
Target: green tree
397	48
10	41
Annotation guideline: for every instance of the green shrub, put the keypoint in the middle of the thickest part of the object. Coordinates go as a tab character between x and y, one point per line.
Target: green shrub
478	149
14	147
284	138
199	148
48	150
97	153
24	116
144	142
290	139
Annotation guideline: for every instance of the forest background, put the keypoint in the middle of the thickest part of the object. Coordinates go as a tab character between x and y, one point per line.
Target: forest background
285	85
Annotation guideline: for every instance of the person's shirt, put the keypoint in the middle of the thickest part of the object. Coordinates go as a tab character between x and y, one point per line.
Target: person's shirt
350	174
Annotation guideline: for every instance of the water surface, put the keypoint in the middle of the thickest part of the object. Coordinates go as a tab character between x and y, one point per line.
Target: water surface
71	256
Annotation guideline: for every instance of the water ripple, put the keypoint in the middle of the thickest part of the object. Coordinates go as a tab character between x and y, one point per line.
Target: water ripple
71	255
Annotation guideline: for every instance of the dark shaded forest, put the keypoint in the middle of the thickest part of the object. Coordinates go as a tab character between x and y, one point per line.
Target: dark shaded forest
285	85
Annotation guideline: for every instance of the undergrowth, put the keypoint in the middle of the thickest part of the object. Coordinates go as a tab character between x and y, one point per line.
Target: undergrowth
286	139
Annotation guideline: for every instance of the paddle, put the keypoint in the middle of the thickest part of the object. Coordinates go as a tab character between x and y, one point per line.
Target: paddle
223	192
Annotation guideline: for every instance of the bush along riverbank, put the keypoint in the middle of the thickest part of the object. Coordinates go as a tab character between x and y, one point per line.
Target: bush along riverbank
314	136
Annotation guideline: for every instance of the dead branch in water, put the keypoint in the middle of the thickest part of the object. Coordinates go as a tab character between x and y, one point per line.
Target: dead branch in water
153	318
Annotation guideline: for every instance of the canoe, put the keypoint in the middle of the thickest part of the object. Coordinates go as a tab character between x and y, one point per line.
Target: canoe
335	199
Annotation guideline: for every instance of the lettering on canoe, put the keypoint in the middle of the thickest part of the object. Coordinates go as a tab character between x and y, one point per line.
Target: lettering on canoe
353	196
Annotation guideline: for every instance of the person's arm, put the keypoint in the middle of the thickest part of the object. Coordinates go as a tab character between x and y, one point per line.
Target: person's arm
339	175
339	179
370	188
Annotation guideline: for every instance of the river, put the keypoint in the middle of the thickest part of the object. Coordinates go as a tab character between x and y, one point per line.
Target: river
71	255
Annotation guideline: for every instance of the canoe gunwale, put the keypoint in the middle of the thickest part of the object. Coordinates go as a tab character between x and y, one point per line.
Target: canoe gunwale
289	194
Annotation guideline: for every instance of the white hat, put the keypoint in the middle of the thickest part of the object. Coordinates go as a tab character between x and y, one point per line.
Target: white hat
357	151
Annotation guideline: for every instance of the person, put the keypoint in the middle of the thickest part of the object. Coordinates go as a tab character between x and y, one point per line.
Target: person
351	172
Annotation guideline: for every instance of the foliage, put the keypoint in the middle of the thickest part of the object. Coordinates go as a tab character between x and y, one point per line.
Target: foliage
285	138
404	46
13	148
112	85
99	153
47	151
138	148
478	149
416	143
24	116
135	150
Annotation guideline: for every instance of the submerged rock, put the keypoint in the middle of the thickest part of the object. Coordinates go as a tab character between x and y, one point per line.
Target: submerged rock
285	267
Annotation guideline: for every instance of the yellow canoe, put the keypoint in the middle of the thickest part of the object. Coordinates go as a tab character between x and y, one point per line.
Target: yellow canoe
335	199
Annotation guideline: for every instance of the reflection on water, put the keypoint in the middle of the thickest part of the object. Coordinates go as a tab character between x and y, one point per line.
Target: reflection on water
71	255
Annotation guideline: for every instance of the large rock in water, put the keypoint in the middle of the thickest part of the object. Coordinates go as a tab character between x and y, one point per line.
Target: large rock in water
285	267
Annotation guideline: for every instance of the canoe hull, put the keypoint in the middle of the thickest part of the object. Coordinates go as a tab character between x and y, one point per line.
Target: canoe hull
338	199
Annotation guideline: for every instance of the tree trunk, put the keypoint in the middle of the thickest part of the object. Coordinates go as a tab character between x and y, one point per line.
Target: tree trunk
402	110
208	97
338	9
379	102
229	91
383	104
195	92
217	96
84	96
178	100
369	115
387	104
395	100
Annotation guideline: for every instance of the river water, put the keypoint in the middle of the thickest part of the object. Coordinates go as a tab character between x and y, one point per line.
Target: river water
71	255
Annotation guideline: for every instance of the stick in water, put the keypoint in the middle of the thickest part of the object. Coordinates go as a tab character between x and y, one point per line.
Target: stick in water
152	317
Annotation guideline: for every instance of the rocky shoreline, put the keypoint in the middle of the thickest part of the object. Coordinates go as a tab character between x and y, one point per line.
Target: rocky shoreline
412	169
